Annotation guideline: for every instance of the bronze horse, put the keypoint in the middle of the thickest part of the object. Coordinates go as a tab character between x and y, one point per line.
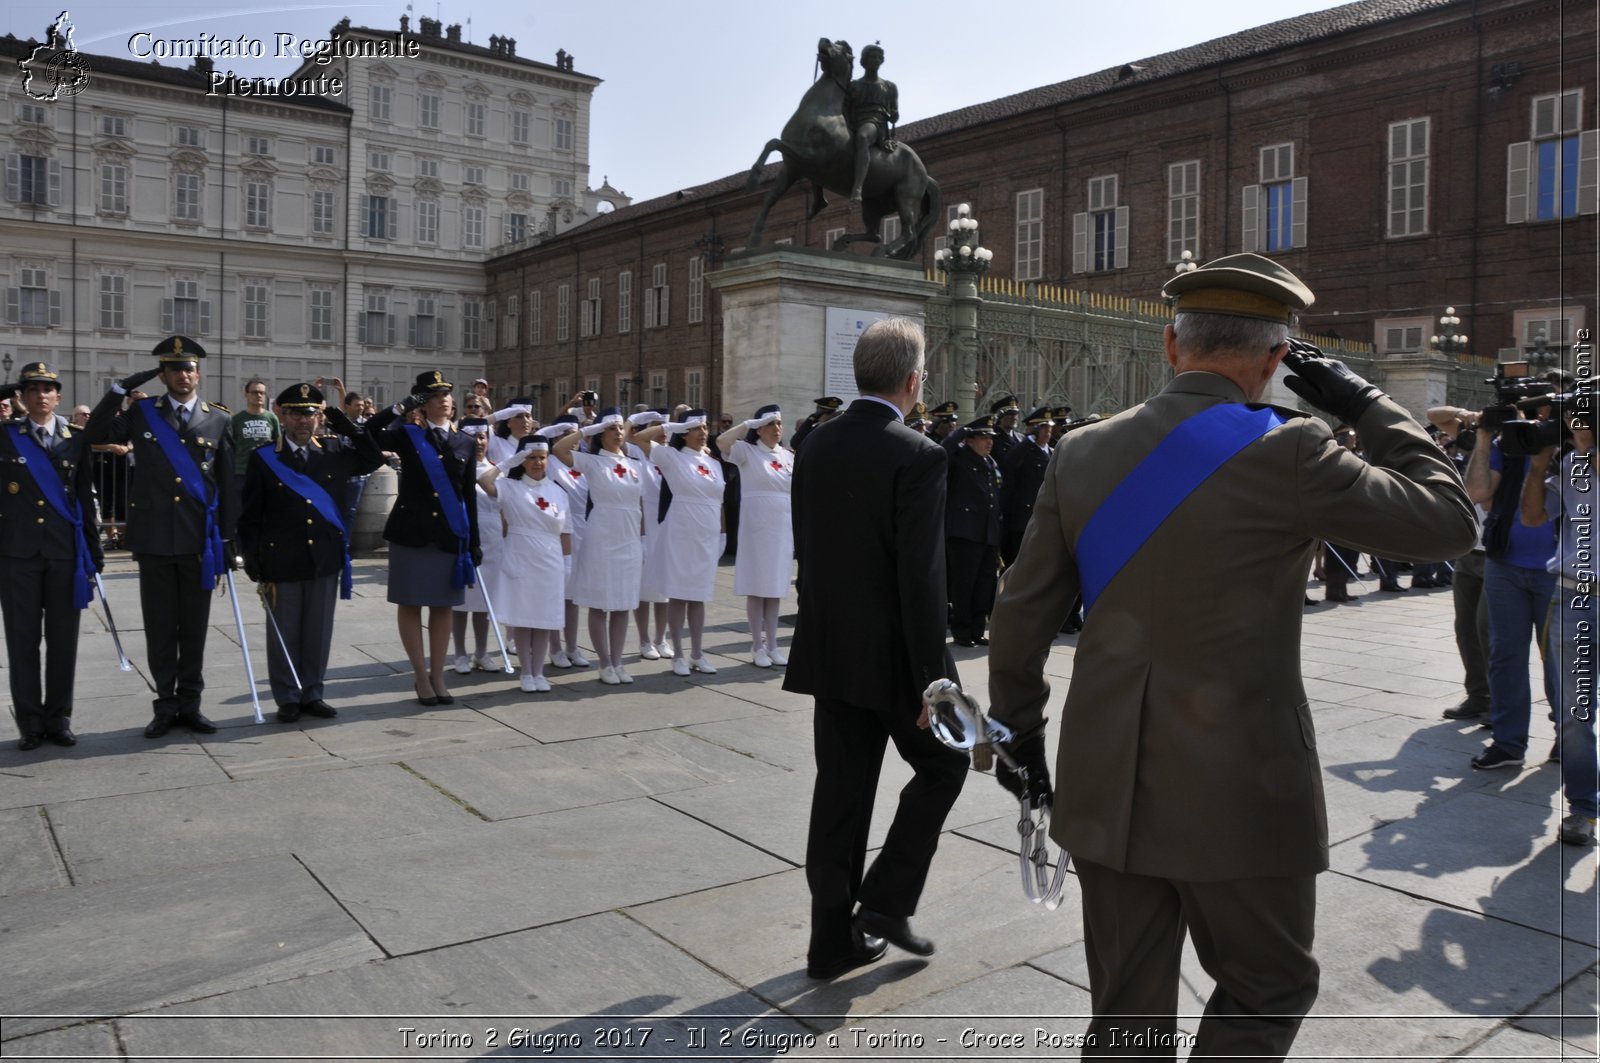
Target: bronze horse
816	146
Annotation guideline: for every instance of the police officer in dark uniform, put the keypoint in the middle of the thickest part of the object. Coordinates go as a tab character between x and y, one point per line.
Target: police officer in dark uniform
944	421
1004	410
827	407
180	521
1022	474
295	544
917	419
50	542
972	530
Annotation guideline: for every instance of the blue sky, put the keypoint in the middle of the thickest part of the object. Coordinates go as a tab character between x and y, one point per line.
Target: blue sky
694	88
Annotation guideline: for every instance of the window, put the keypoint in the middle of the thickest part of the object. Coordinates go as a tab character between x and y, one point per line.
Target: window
258	146
423	330
520	182
889	230
657	298
1100	234
319	329
33	179
472	226
697	286
1408	177
658	389
563	293
563	394
1183	210
186	313
519	127
113	126
381	221
693	388
512	322
33	304
322	206
1554	175
829	237
113	188
113	301
589	313
475	112
30	114
186	197
489	322
378	159
427	221
255	310
428	168
563	187
377	324
257	204
625	301
379	100
535	317
563	140
516	228
428	110
323	155
1536	329
472	323
472	175
188	136
1402	335
1030	235
1274	211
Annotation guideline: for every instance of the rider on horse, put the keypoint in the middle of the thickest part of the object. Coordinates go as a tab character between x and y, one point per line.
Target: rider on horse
872	106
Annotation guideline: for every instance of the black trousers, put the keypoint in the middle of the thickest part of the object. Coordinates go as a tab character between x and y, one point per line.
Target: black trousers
304	611
1253	935
850	743
1336	576
971	569
177	614
36	598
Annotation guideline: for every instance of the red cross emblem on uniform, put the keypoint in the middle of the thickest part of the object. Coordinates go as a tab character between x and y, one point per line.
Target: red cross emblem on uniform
703	471
576	474
620	470
542	504
777	466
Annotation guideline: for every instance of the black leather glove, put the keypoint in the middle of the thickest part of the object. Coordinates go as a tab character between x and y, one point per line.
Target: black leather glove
1327	383
477	558
1029	754
413	400
131	383
9	391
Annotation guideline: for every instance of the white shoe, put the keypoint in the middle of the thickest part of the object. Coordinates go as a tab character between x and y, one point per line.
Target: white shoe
609	677
560	659
622	674
762	658
481	663
648	652
544	684
664	648
530	684
680	666
703	664
578	659
463	666
777	658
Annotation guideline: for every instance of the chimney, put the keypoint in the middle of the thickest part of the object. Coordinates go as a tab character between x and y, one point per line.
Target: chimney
511	45
202	64
429	26
405	23
453	33
494	44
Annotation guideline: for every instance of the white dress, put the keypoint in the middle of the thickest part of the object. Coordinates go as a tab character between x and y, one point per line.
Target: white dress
691	534
652	573
606	574
577	487
491	540
765	561
529	581
501	447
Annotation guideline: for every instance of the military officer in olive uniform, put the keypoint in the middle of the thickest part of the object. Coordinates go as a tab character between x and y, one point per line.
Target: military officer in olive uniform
295	542
972	530
50	543
1021	476
180	521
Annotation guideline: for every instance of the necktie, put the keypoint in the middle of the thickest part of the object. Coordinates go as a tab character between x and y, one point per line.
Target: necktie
42	436
300	459
183	417
441	439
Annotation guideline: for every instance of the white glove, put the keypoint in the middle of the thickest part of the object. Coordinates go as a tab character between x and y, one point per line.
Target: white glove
511	461
645	418
754	423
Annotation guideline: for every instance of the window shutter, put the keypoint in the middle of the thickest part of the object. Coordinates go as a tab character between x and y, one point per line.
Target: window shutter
55	182
205	316
166	316
55	306
438	332
361	329
1250	211
394	218
13	305
1519	157
666	304
1589	171
411	330
388	338
1080	243
1122	238
13	177
1297	225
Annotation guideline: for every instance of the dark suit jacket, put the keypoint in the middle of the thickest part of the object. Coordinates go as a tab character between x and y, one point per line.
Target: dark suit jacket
1021	476
1187	747
972	510
868	500
283	536
416	519
163	518
29	527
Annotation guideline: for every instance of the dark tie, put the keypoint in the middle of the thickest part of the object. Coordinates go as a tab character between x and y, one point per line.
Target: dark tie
42	436
183	417
441	439
300	459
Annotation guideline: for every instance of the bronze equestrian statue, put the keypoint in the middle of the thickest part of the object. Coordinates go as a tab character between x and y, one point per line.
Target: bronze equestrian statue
818	145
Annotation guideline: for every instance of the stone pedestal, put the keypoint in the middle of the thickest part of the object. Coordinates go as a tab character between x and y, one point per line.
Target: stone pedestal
775	304
1416	381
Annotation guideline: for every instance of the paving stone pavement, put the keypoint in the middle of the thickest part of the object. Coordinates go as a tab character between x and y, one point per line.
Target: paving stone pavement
617	872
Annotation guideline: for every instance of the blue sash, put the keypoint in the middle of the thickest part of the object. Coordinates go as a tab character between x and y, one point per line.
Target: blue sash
37	461
455	516
213	561
1137	506
320	500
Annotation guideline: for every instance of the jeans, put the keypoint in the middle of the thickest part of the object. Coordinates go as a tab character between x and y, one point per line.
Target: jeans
1519	604
1570	667
352	501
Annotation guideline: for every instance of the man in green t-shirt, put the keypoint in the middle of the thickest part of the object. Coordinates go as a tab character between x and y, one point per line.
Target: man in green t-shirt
252	427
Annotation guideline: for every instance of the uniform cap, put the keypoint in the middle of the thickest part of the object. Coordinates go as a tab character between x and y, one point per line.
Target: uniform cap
1004	405
980	426
178	350
830	403
40	373
1243	285
431	381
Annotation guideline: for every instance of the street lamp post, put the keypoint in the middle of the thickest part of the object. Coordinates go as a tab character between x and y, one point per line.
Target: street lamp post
1450	342
963	261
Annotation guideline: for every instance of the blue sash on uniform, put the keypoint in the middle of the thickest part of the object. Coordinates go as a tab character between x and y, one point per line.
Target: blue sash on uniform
213	561
36	460
320	500
455	516
1155	487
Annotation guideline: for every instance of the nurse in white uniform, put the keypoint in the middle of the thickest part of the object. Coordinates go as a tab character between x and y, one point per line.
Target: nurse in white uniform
764	567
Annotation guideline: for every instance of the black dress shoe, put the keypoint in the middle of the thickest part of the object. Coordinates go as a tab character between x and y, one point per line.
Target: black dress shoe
864	950
198	724
446	699
29	741
62	736
1467	710
1329	596
288	713
319	708
1391	587
981	641
158	727
968	643
896	931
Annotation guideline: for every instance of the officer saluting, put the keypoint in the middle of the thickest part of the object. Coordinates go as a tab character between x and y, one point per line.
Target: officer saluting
295	543
180	515
827	408
51	546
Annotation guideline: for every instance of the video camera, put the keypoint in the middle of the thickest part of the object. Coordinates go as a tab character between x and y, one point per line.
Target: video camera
1516	393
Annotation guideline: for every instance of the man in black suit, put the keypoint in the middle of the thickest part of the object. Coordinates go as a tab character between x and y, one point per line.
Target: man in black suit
180	521
869	536
972	531
295	543
1021	476
51	546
